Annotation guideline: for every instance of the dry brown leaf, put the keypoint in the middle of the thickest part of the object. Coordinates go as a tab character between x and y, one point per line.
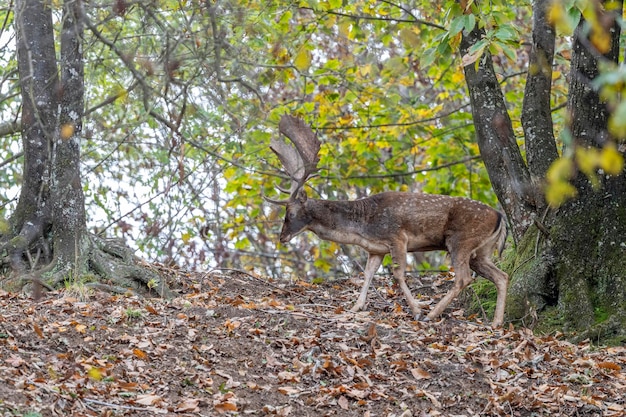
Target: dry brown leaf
289	390
38	330
420	374
151	310
140	354
226	406
343	403
609	365
189	405
148	399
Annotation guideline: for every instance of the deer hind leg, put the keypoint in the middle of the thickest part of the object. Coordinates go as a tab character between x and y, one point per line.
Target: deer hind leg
372	265
463	278
484	267
398	257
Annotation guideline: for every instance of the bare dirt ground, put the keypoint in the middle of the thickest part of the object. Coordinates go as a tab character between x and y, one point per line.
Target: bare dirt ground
236	344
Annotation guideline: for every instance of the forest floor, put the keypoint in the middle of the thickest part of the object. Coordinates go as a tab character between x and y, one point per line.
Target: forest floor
236	344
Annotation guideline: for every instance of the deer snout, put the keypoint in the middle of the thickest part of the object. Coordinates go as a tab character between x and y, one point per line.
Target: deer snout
285	237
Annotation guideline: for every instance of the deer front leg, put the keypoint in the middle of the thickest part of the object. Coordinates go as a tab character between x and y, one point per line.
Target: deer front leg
372	265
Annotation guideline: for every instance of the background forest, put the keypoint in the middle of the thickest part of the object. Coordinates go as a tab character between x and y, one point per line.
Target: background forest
181	99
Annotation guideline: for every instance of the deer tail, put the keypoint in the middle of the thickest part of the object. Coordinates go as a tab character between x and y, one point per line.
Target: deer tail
501	233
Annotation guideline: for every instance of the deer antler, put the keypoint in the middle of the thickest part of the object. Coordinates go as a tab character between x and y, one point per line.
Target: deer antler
300	162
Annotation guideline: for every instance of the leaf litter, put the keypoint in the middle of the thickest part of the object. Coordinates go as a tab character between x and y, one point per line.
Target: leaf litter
235	344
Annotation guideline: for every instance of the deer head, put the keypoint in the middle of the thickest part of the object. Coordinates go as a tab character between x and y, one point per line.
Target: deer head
299	162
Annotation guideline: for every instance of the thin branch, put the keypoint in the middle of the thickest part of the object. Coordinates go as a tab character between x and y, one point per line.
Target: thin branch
10	128
217	41
417	171
379	18
411	123
112	98
11	159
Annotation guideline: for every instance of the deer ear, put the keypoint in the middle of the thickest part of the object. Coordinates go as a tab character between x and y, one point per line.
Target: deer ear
301	196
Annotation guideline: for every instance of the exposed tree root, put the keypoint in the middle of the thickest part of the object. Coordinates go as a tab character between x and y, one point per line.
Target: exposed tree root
116	262
105	264
611	330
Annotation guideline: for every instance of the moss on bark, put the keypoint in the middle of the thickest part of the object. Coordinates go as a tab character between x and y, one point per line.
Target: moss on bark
580	271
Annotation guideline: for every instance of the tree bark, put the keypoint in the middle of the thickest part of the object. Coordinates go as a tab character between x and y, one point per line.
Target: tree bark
576	271
67	192
541	149
39	87
48	243
507	170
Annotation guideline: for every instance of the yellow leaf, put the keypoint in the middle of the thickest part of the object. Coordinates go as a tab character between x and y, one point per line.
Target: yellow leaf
185	237
561	169
94	373
458	77
611	161
302	60
67	130
345	27
587	159
559	192
365	70
559	18
601	40
409	37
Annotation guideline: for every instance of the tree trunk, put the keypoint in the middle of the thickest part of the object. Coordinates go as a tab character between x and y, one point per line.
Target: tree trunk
39	86
589	234
67	192
580	268
569	265
498	147
48	243
536	110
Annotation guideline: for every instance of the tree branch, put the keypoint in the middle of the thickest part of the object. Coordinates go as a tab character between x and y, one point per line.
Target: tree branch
416	171
379	18
536	112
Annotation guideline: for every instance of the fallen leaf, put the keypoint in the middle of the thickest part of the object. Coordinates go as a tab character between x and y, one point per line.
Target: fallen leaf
343	403
188	406
15	361
140	353
420	374
609	365
148	399
226	406
38	330
289	390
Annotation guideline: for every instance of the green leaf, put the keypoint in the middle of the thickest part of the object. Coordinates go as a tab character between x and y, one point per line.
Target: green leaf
457	25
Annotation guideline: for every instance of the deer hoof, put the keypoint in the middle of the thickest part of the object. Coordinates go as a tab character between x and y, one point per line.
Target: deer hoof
356	308
420	317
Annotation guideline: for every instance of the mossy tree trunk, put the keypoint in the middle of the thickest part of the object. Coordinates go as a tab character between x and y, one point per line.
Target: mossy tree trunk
47	242
570	259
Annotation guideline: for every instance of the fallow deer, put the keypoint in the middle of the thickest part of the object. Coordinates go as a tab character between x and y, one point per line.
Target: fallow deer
394	223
